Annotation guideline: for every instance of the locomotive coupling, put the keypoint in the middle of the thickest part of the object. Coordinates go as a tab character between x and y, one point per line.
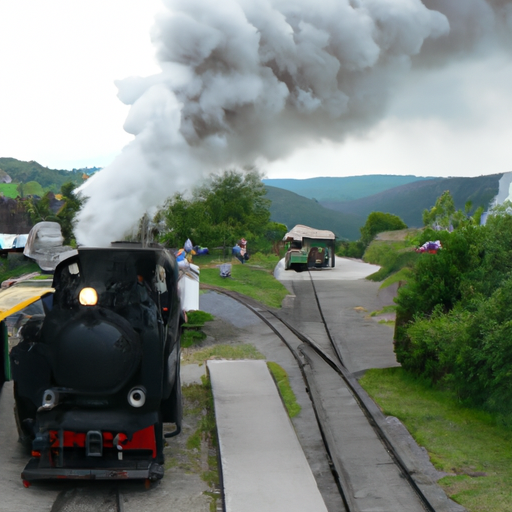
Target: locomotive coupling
50	400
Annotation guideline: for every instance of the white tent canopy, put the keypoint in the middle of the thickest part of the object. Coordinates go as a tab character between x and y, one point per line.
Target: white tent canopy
300	231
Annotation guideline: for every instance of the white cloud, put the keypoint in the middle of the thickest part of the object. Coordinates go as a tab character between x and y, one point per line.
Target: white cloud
58	61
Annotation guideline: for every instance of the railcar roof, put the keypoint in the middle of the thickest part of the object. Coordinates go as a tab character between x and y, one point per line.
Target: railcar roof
300	231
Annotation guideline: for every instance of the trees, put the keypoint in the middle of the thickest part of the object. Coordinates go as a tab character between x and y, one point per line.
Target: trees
444	216
48	208
229	206
67	212
454	321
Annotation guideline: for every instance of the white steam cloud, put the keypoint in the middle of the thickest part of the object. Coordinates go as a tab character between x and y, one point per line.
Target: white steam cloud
244	81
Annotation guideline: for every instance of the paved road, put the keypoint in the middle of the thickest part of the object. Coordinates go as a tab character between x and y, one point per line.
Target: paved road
347	299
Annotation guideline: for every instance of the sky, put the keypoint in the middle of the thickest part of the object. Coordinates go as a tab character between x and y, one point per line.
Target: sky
171	90
59	61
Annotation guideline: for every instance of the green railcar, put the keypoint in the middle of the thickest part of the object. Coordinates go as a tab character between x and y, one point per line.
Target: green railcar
309	248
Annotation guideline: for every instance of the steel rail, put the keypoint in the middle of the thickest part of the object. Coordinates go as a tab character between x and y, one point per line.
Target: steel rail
365	403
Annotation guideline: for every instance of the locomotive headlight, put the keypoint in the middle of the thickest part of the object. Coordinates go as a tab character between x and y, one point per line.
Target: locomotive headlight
88	297
137	397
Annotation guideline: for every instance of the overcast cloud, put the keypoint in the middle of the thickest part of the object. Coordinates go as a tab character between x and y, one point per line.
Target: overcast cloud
301	88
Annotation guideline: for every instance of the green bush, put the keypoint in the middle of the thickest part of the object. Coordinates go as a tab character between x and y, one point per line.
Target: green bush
350	249
454	315
198	317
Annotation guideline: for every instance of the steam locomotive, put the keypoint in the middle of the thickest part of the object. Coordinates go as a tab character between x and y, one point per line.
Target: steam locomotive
98	374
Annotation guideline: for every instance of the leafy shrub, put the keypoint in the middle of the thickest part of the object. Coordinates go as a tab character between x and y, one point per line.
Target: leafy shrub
350	249
198	317
454	315
190	337
195	319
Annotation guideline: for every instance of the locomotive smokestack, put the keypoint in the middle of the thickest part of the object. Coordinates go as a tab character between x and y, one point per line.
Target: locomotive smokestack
245	81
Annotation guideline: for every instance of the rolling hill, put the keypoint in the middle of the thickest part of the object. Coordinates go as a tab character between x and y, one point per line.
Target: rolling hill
339	189
23	172
410	200
291	209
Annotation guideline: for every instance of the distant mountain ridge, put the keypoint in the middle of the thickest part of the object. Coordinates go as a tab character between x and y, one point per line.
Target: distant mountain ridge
410	200
290	209
23	172
327	189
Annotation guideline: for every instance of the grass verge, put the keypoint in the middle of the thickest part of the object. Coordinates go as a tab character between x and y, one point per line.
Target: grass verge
192	332
254	279
391	256
244	351
198	453
285	390
467	444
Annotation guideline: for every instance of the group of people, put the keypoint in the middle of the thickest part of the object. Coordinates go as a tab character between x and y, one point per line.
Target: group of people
240	250
184	255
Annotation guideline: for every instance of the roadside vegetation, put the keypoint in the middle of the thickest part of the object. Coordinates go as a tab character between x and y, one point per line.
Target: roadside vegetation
285	390
454	319
192	332
467	444
252	279
377	222
452	337
453	329
195	450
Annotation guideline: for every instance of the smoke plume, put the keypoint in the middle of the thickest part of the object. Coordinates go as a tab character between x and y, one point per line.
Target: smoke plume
249	81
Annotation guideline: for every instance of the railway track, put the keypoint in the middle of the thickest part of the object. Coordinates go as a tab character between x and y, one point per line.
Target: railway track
321	365
92	497
322	369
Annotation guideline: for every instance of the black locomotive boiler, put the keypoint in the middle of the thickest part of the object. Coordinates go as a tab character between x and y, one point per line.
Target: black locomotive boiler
98	374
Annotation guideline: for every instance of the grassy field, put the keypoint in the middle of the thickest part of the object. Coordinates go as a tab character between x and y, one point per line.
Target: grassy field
254	278
469	445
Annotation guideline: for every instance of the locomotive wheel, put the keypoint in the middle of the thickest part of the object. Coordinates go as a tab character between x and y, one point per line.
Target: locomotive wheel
176	401
159	438
24	414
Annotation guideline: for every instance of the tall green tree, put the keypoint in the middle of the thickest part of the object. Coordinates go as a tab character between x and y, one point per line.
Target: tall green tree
67	212
444	216
182	218
229	206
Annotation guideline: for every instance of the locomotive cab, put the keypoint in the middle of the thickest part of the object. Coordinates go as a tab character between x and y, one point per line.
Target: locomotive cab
96	377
